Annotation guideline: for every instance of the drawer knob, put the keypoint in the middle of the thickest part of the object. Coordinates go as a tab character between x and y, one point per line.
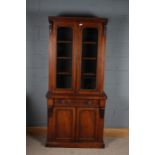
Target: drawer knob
80	24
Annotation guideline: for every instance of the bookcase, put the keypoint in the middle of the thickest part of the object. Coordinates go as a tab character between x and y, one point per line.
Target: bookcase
76	98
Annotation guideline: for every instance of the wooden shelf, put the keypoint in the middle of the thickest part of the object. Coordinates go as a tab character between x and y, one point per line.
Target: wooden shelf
89	74
64	41
89	77
89	42
64	58
89	58
63	73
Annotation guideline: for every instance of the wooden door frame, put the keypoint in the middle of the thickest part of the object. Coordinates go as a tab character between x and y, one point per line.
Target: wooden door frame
53	58
99	72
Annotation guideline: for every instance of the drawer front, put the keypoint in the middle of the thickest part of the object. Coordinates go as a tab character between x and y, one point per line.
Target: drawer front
76	102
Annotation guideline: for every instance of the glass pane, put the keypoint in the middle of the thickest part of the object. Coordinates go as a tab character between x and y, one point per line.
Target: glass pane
90	34
89	58
64	81
64	65
89	66
64	49
88	82
64	33
64	57
89	50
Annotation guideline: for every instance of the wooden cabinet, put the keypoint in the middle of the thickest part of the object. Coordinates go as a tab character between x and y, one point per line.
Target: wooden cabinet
76	100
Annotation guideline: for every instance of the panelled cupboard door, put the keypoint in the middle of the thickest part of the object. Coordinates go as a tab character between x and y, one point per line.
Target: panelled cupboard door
64	124
87	123
64	56
90	58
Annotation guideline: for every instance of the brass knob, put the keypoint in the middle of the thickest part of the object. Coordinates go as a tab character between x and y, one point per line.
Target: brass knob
80	24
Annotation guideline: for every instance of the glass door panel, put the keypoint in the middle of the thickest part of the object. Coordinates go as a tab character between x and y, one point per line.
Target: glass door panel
64	57
89	58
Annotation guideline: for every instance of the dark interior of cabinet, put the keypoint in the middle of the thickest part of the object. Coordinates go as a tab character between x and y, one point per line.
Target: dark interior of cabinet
89	50
64	66
64	81
90	34
64	49
64	57
64	33
89	58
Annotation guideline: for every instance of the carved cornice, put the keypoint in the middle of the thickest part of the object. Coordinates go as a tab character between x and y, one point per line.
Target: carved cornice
92	19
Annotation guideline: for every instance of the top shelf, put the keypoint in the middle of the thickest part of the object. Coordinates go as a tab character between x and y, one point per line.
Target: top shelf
77	19
89	42
84	42
64	41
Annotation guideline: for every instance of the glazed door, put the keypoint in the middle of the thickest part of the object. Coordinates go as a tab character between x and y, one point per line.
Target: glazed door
89	54
64	70
87	124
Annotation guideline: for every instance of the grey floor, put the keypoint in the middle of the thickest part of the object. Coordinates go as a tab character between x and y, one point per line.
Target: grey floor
114	146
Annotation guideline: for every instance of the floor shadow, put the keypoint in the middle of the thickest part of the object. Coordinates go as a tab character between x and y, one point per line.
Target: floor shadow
109	140
40	137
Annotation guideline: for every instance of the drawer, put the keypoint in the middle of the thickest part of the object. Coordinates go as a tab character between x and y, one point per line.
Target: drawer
76	102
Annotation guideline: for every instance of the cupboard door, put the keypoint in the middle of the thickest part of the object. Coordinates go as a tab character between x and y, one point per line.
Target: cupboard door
64	124
90	62
64	69
87	124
